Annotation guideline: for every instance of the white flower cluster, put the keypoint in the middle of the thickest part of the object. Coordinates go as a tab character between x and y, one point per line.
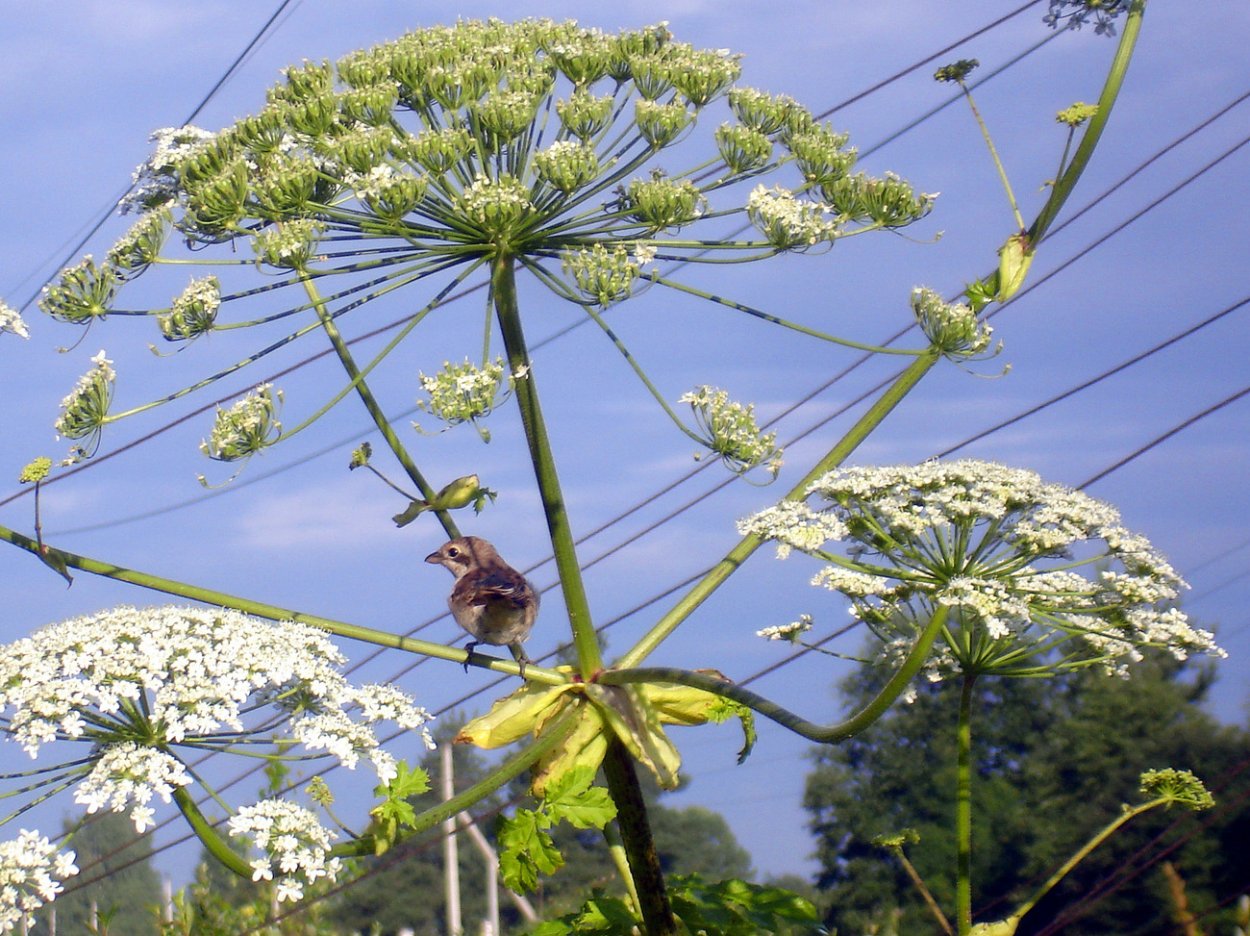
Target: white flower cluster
85	408
788	222
249	425
155	180
793	525
952	327
729	429
1009	555
31	872
180	675
128	772
295	845
11	321
788	632
462	392
194	310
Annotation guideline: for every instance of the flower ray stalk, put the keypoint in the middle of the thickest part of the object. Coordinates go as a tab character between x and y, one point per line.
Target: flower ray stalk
890	398
775	320
823	734
273	612
374	408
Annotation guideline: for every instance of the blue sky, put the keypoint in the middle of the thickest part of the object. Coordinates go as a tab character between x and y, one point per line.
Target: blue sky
84	90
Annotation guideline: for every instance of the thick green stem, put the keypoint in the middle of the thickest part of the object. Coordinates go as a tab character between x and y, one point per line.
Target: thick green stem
55	557
644	861
824	734
703	589
963	810
371	404
503	289
207	834
618	767
1064	185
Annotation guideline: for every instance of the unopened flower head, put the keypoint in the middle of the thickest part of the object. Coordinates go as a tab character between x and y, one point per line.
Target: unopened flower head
194	311
294	846
11	321
602	276
84	293
1021	566
139	247
951	327
31	875
136	684
248	426
290	245
84	411
462	392
729	429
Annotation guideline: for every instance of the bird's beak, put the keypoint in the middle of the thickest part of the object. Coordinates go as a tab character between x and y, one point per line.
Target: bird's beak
434	557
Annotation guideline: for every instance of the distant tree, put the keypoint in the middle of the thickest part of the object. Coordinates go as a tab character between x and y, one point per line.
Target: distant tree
116	877
1055	758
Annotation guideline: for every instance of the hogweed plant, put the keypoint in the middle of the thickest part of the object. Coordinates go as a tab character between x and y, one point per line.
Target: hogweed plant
480	154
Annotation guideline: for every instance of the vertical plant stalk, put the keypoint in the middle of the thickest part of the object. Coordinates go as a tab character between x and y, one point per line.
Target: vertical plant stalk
963	809
503	290
892	396
371	404
644	861
644	865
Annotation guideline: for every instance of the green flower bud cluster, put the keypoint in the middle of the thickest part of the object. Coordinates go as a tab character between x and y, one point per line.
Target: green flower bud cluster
743	149
603	276
729	429
462	392
584	115
762	112
566	165
139	247
84	410
291	246
886	202
391	194
193	312
83	293
662	204
496	206
953	328
248	426
660	124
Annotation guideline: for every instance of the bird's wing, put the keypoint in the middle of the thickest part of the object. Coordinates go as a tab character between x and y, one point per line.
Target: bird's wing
487	586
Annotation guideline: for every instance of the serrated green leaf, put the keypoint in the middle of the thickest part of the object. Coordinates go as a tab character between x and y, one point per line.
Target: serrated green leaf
589	809
526	850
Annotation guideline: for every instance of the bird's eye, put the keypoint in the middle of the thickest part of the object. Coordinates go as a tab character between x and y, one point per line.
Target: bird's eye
453	552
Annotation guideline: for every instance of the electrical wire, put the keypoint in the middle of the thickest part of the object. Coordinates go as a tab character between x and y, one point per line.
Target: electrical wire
107	212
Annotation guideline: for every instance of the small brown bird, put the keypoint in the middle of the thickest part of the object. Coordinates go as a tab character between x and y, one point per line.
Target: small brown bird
494	602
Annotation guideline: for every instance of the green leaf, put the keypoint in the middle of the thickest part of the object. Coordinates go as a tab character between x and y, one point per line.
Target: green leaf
572	799
728	708
526	850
